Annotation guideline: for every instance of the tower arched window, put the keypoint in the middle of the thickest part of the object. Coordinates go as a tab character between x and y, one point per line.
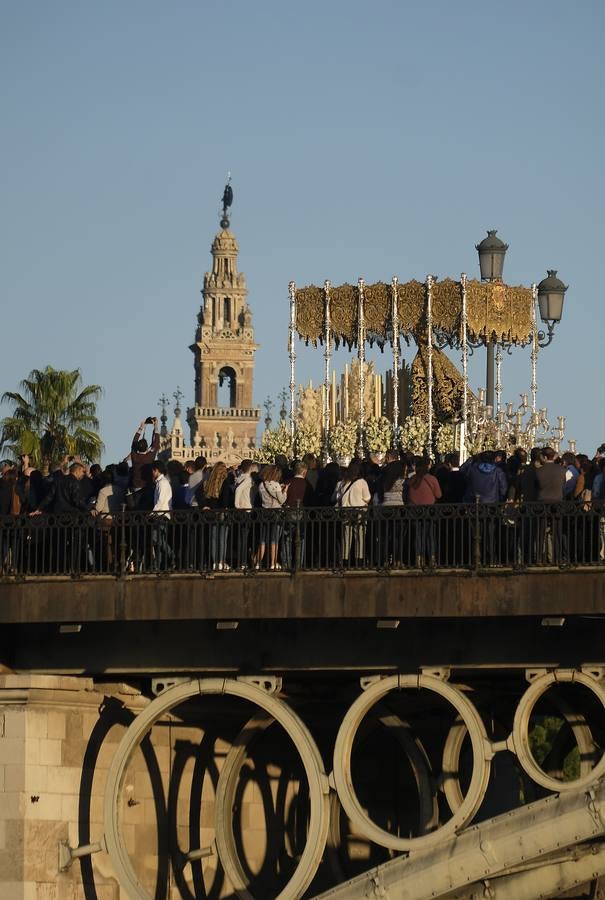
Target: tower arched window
227	384
226	309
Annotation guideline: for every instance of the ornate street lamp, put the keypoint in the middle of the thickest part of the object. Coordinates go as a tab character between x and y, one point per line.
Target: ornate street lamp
491	252
551	295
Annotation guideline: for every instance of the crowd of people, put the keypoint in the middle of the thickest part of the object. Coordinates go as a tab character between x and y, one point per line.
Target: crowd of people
143	482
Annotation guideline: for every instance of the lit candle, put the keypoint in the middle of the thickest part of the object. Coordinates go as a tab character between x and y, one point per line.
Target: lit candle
561	423
333	400
346	403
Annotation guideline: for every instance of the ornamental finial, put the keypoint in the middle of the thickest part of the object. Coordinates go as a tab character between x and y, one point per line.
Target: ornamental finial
227	201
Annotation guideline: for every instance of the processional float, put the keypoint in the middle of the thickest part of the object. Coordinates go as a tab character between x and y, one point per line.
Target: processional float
459	315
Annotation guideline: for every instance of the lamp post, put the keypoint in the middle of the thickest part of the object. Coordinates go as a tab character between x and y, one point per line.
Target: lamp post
491	252
551	296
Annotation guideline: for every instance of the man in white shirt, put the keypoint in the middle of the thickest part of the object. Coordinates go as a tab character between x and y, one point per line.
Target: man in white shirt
162	494
163	556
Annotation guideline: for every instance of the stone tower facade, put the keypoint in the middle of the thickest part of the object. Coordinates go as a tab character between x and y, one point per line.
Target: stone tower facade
223	419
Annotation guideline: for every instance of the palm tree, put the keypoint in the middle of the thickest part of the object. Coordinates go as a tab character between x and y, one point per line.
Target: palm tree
54	415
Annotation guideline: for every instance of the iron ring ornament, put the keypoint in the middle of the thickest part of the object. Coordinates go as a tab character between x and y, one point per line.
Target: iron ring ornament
482	755
519	740
277	710
468	724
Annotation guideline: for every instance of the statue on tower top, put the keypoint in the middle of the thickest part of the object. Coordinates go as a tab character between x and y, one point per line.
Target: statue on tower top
227	201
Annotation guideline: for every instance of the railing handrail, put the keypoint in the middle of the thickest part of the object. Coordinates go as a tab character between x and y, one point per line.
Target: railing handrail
463	536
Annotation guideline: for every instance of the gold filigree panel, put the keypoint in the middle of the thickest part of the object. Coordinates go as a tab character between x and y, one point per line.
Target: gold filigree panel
495	311
447	305
310	303
377	302
410	306
344	301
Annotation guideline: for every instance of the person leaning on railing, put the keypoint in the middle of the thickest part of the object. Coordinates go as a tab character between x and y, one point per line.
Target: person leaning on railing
353	492
64	495
245	498
272	494
391	531
423	489
71	551
486	482
551	478
109	503
299	494
10	505
215	496
598	502
163	554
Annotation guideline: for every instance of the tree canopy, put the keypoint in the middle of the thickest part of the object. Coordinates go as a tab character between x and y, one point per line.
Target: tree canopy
53	415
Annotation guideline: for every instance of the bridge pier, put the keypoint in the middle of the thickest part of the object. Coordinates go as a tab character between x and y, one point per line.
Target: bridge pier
52	772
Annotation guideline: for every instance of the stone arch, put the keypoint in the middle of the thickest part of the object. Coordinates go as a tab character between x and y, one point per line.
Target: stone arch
227	377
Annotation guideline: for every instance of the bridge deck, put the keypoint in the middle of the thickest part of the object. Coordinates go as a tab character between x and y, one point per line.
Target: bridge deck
305	595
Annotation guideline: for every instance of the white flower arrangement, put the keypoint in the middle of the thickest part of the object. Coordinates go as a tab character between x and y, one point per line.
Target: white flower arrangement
445	438
378	434
274	441
307	439
342	439
414	434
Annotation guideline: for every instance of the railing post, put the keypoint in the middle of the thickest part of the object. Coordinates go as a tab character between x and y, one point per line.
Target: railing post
297	540
123	540
476	537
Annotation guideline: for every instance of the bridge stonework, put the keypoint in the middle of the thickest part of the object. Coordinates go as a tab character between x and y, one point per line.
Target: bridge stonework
281	735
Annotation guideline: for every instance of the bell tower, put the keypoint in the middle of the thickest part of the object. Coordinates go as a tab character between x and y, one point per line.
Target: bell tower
223	420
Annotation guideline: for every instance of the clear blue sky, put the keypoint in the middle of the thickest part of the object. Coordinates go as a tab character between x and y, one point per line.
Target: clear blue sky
364	139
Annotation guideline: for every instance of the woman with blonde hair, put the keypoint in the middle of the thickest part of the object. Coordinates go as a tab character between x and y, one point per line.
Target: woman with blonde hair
272	496
215	495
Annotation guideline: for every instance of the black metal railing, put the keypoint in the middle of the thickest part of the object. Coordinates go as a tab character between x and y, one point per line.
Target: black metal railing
434	538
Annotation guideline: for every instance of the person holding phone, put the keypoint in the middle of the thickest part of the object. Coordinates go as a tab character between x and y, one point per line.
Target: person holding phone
141	454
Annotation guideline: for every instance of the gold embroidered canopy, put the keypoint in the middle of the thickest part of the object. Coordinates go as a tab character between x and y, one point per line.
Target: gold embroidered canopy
495	311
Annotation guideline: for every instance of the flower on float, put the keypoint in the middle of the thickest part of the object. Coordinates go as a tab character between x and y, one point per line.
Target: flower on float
274	441
414	434
307	439
342	439
445	438
378	434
